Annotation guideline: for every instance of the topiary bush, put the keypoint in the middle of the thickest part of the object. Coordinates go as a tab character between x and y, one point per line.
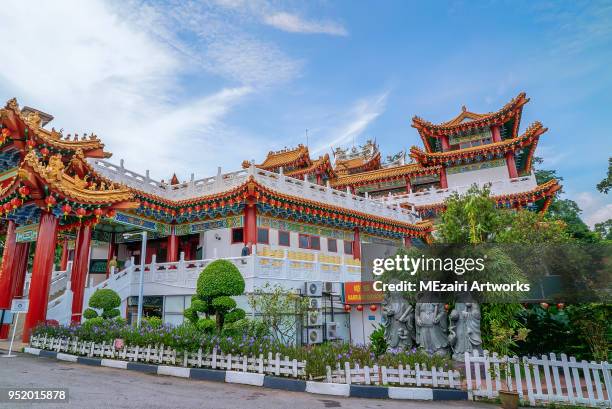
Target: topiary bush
217	284
106	300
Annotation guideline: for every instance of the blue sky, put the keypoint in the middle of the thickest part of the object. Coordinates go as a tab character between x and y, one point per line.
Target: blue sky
189	86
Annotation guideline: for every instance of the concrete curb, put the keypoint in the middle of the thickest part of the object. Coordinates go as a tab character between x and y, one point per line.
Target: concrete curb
266	381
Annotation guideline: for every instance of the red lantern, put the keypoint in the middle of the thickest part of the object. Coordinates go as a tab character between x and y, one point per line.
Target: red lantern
560	305
24	191
31	144
110	214
544	305
198	208
98	213
373	307
360	307
6	132
347	307
66	209
44	151
80	212
16	202
7	207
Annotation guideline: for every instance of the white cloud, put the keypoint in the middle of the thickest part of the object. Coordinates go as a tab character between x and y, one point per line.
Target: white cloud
354	123
594	207
295	24
116	69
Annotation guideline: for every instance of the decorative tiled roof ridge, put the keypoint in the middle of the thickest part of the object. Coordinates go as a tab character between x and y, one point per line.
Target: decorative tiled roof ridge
384	173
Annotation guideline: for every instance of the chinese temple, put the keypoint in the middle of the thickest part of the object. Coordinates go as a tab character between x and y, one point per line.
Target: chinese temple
288	220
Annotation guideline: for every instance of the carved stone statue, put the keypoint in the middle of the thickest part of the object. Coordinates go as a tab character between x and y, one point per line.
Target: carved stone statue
464	333
432	326
399	321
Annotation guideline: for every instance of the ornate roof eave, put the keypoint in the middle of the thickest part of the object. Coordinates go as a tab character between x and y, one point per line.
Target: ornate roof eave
284	158
322	165
512	109
38	176
92	147
377	175
531	135
545	190
342	167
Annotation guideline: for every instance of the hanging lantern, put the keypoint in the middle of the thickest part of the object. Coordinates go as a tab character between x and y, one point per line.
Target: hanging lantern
44	152
31	144
80	212
98	213
16	202
347	307
7	207
373	307
560	305
544	305
110	214
24	191
66	209
50	202
360	307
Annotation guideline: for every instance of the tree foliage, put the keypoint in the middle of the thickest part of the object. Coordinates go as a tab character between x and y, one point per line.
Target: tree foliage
606	184
106	300
217	284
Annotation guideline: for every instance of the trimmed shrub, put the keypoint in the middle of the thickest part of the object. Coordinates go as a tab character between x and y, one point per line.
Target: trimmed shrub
106	300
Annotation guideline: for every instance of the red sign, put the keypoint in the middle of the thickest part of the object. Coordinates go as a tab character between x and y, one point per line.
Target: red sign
362	292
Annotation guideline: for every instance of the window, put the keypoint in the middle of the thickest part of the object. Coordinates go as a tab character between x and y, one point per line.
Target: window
309	242
304	241
348	247
315	242
284	239
237	235
263	235
332	245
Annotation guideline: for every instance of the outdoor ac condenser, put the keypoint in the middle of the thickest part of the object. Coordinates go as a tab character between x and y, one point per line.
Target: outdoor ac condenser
314	288
313	318
332	330
315	335
314	303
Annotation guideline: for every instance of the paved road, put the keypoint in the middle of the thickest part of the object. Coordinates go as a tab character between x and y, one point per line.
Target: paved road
101	387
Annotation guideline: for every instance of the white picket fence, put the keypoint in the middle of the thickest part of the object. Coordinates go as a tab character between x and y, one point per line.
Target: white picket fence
417	376
272	365
542	380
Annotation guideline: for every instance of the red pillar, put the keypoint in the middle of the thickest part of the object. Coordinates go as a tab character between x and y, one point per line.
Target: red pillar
80	267
41	273
110	254
445	144
6	269
7	278
356	244
443	182
496	134
173	247
64	259
510	161
408	186
250	223
21	265
319	179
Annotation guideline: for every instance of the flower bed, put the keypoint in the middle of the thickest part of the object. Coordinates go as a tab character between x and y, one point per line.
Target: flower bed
186	341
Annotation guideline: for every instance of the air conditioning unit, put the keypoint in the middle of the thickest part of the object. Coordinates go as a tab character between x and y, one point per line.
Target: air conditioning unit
332	330
314	318
331	287
314	336
314	288
314	303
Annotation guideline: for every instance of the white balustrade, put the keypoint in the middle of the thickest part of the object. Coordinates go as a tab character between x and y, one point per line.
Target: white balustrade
276	181
437	195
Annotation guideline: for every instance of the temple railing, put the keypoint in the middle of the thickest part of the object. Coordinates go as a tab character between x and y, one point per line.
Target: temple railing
437	195
276	181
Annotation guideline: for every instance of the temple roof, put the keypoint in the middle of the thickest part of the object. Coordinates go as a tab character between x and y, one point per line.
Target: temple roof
529	137
322	164
284	158
29	122
393	172
467	121
344	167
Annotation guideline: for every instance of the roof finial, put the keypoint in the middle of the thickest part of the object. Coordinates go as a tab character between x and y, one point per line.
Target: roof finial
463	108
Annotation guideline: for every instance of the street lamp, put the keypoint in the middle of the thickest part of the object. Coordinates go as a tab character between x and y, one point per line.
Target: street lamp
143	256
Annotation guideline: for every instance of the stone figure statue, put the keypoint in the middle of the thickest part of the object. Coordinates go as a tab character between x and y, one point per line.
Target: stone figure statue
399	321
464	333
432	326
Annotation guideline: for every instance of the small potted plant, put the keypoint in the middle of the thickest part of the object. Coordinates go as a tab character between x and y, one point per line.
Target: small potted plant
509	399
504	339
